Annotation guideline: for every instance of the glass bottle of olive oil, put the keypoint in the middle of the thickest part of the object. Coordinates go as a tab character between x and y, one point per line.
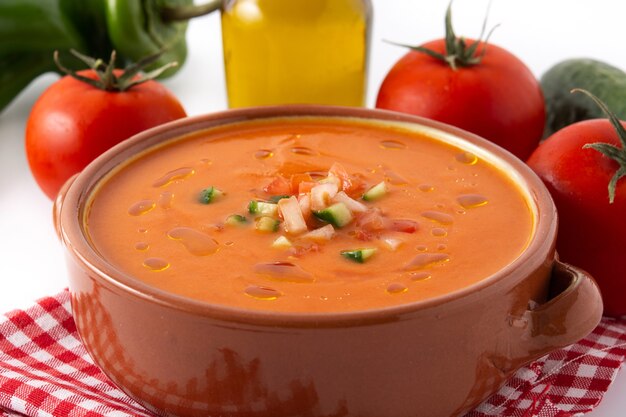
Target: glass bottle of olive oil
296	51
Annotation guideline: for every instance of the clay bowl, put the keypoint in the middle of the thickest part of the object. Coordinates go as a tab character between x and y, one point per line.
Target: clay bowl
434	358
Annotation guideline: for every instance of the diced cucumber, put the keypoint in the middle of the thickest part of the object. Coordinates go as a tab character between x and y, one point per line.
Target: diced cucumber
359	255
277	198
262	208
338	214
209	195
236	220
266	224
376	192
281	242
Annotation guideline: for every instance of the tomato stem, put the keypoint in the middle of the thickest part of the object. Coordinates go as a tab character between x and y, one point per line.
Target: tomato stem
458	52
107	79
609	150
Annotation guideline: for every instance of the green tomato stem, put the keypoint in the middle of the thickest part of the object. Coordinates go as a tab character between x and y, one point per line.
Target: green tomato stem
107	80
458	52
609	150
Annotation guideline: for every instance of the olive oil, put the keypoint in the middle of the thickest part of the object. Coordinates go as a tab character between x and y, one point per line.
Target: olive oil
296	51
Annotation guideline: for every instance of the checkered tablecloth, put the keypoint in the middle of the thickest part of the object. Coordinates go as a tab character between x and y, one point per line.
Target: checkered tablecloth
45	371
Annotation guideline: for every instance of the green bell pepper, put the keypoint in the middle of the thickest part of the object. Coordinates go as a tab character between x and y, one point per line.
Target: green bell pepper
31	30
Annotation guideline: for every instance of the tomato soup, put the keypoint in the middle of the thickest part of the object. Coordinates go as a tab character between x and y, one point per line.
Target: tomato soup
310	215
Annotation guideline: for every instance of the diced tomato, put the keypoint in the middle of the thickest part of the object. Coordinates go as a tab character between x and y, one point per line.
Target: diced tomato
357	187
338	171
371	221
402	225
278	186
297	179
363	235
306	186
301	250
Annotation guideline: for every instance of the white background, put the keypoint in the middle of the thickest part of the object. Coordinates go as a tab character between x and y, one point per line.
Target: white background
541	33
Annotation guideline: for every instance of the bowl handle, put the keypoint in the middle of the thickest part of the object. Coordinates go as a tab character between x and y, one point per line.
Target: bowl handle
573	310
58	204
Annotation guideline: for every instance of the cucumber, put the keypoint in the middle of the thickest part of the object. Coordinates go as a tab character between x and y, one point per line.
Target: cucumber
338	215
209	195
358	255
277	198
376	192
563	108
236	220
262	208
266	224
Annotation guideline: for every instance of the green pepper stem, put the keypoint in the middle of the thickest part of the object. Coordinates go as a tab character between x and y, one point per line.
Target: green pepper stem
184	13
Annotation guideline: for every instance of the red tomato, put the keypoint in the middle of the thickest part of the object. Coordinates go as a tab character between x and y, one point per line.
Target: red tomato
592	231
497	98
73	122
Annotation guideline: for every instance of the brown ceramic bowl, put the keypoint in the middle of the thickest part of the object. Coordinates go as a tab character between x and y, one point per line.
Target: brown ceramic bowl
434	358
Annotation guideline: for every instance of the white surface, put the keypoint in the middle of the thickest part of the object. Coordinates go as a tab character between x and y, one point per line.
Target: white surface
540	33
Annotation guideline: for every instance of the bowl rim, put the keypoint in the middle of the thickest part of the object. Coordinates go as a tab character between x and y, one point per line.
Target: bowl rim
73	235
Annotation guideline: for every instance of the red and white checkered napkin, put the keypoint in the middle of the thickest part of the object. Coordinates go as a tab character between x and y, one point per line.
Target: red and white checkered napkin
45	371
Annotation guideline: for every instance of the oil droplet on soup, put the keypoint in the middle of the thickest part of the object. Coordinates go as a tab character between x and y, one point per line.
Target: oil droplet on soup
419	276
424	260
284	271
317	175
196	242
263	154
156	264
142	246
439	231
396	288
303	150
392	144
467	158
472	200
394	178
426	188
175	175
439	217
141	207
262	293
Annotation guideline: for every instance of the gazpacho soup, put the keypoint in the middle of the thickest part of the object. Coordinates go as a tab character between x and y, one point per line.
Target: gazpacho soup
310	214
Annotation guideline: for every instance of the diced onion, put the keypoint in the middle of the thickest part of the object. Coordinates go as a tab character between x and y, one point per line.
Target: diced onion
321	234
352	204
293	221
392	243
322	194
